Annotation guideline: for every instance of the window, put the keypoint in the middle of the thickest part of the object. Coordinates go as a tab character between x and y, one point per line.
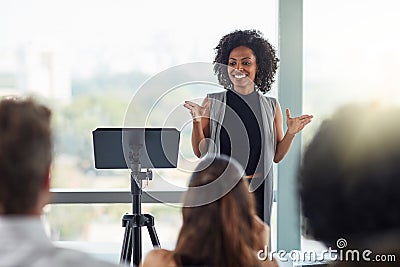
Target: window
97	228
350	55
86	60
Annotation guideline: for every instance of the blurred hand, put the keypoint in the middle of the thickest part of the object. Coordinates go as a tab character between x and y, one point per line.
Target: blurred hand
196	110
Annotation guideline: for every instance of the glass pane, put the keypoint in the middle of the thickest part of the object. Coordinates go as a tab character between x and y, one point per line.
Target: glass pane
350	55
86	59
97	229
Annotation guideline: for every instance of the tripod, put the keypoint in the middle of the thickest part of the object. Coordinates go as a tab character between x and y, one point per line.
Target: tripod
133	222
121	148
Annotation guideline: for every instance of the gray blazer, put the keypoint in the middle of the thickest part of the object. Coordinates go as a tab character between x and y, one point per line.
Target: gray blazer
268	107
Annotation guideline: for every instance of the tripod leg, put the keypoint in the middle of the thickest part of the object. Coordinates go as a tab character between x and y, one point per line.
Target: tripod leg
153	236
152	230
126	252
137	245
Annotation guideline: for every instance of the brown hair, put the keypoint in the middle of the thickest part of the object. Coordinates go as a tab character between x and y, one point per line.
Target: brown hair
25	153
219	233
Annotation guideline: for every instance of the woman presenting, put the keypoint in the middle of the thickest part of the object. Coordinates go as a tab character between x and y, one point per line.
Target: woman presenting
240	121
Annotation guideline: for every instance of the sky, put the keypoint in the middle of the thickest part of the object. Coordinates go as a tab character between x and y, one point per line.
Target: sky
174	31
347	43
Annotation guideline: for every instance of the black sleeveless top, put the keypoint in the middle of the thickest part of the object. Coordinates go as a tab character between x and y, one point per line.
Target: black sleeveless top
241	135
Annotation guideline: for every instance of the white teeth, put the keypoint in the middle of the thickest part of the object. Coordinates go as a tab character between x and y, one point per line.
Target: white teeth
239	76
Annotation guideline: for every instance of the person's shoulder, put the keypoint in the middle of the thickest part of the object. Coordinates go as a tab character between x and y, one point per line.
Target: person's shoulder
270	100
268	97
159	257
216	95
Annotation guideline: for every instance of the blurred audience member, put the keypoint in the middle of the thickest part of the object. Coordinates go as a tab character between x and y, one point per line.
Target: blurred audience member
350	177
220	226
25	159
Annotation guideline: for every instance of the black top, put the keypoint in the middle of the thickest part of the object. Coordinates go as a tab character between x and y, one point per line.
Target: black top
242	126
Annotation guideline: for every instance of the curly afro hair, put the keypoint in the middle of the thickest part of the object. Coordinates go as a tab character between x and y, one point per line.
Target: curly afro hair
265	53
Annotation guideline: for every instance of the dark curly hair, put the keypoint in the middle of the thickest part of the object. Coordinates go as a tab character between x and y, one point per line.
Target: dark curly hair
265	53
350	175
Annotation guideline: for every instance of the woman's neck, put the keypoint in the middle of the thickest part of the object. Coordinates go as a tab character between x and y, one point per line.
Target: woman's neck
244	90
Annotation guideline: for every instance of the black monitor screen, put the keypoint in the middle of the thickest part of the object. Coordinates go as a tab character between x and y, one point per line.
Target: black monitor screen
156	147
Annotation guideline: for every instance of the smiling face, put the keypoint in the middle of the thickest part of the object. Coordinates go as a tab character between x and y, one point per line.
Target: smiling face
242	68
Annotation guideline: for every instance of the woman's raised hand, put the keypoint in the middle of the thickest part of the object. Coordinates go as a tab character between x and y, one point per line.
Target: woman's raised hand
296	124
196	110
